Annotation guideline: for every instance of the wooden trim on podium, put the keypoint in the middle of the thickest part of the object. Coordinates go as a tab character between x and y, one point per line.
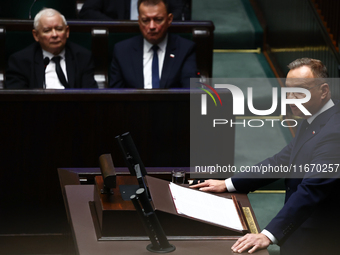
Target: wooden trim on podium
240	213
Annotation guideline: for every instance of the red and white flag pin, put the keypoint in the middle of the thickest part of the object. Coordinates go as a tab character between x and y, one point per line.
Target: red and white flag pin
172	56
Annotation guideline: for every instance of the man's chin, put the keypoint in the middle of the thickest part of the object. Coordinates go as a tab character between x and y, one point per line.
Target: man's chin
55	50
296	112
153	40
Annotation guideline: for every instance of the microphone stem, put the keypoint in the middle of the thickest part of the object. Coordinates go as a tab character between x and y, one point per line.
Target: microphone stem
29	13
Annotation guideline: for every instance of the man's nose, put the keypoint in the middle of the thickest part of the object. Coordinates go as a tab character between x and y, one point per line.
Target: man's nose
54	32
152	24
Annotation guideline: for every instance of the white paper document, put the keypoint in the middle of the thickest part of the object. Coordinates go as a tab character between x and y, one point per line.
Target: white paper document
206	207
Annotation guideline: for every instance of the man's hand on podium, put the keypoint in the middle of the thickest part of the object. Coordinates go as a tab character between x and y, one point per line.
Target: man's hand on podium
251	241
211	186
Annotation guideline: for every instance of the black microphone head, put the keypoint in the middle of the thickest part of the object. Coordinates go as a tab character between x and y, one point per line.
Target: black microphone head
46	61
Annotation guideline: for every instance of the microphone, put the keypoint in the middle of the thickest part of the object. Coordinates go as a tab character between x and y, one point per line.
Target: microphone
29	13
46	62
185	8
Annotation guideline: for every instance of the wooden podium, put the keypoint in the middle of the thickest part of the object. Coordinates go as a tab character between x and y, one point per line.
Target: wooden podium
111	214
79	201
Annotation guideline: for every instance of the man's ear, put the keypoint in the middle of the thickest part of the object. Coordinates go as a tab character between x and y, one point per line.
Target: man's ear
35	35
67	31
324	90
170	18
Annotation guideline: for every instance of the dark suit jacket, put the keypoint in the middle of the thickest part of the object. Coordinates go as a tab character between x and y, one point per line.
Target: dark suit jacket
26	69
105	10
127	63
308	222
120	9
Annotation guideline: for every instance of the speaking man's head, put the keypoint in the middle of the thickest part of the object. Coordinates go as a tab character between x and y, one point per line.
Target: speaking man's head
310	74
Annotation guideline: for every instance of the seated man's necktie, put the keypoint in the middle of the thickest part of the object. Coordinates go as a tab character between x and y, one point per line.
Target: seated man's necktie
60	72
155	68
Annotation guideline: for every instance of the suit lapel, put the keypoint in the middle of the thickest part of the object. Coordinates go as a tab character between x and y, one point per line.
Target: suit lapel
137	62
303	136
169	60
39	67
70	67
313	130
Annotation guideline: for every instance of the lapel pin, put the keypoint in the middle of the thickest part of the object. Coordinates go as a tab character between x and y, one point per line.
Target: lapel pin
313	132
172	55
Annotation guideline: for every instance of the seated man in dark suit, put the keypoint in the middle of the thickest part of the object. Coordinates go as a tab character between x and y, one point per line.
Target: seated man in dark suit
127	9
51	62
308	223
134	64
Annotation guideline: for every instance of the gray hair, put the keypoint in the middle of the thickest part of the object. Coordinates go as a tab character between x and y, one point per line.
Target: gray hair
49	13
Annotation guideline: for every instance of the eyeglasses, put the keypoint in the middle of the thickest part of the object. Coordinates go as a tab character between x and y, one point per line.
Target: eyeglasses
299	95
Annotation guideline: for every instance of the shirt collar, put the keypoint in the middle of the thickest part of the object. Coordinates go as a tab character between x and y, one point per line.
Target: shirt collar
50	55
328	105
161	45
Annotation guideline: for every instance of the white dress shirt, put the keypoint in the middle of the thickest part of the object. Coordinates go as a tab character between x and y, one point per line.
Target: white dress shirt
147	61
51	78
328	105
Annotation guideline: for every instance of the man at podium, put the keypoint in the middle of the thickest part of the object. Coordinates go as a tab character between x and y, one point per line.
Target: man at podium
308	222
